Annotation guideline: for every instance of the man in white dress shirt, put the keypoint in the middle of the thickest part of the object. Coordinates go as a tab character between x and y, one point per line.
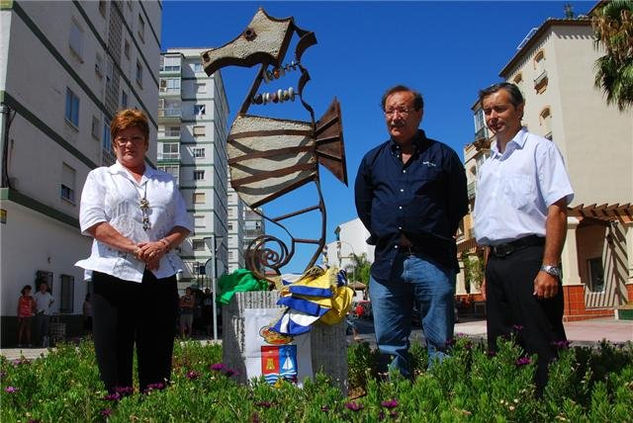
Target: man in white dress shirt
521	216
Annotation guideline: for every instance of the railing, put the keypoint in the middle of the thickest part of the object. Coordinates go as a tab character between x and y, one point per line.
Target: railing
540	80
170	91
480	134
169	112
168	156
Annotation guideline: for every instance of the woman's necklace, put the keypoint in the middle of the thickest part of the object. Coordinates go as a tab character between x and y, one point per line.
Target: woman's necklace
144	206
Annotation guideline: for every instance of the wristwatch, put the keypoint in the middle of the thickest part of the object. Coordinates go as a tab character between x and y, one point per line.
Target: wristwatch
552	270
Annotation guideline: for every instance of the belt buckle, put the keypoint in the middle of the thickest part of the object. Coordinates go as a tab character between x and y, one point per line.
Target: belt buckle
503	250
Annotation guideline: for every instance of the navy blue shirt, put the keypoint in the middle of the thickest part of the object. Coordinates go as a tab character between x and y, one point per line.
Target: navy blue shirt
425	199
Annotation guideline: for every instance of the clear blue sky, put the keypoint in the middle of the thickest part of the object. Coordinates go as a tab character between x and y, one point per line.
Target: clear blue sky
446	50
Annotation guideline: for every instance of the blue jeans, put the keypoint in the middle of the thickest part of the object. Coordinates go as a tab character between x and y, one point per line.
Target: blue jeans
414	279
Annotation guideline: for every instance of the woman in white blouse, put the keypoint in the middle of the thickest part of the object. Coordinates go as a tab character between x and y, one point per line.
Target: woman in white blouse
136	216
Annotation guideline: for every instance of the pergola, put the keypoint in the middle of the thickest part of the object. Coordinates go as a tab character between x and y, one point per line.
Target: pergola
622	213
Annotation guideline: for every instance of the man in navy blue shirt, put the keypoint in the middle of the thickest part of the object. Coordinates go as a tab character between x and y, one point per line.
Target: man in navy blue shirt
411	195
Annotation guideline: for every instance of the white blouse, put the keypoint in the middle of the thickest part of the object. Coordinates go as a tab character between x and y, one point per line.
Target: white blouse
111	195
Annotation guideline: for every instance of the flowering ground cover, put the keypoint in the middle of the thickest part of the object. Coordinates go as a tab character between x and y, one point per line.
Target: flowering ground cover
586	385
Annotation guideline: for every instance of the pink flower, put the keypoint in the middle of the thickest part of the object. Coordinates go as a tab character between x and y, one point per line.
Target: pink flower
112	397
124	390
192	374
390	404
11	389
264	404
354	406
217	367
107	412
523	361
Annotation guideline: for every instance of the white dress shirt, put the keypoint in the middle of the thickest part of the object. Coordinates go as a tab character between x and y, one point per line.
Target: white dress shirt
515	189
43	302
111	195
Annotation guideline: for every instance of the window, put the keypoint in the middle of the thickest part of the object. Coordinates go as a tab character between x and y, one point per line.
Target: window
123	99
518	78
72	107
141	28
199	110
170	151
197	67
545	119
76	39
198	175
107	143
99	65
170	85
139	73
198	152
540	82
170	64
172	131
173	170
102	7
230	226
198	245
198	221
199	131
199	198
126	48
201	87
67	294
596	274
95	128
68	183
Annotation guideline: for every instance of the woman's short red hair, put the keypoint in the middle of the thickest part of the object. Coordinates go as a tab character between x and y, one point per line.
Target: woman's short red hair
129	118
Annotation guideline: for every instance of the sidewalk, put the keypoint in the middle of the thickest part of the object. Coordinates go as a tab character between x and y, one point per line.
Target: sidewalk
584	332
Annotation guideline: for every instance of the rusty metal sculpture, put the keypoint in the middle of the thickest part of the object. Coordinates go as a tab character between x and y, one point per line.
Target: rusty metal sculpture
270	157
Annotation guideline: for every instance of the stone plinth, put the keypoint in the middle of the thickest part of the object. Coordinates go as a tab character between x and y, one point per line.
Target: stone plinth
329	347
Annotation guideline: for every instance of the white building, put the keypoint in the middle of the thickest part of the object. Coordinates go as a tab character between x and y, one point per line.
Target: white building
65	68
236	231
192	132
351	239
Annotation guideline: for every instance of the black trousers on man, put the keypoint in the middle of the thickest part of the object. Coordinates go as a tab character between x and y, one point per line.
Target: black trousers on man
125	313
511	307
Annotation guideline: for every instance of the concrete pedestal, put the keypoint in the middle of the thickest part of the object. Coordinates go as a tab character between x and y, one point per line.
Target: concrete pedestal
328	343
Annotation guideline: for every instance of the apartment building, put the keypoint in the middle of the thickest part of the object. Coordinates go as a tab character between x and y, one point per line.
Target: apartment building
65	69
351	237
554	68
192	132
236	231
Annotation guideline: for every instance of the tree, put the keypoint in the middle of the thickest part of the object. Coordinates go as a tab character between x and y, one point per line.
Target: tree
613	27
361	267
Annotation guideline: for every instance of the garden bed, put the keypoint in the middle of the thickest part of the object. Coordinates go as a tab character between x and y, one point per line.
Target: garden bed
586	384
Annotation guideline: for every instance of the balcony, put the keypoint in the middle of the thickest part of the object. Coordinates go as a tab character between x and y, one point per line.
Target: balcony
472	189
170	113
168	156
169	92
540	83
480	134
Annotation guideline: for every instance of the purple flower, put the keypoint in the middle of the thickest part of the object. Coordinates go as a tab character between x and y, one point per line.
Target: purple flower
217	367
381	415
492	353
523	361
154	387
255	418
124	390
112	397
230	372
11	389
354	406
450	342
20	361
192	375
468	345
2	374
107	412
390	404
264	404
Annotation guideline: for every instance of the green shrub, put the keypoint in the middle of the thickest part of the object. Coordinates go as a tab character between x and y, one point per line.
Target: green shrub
586	385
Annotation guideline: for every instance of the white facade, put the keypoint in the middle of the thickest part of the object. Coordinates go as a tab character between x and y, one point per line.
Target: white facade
65	69
236	231
192	136
351	239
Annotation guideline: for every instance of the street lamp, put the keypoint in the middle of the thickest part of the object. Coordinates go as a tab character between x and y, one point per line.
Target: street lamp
216	241
341	257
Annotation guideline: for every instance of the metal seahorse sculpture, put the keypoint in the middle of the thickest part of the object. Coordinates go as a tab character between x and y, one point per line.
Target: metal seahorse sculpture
270	157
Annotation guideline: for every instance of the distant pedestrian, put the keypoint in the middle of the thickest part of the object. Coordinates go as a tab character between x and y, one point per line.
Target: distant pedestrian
43	300
26	310
207	310
187	305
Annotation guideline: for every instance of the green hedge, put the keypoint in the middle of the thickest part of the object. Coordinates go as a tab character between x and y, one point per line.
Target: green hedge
586	385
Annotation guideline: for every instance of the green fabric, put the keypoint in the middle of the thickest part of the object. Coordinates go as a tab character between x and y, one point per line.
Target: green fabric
241	280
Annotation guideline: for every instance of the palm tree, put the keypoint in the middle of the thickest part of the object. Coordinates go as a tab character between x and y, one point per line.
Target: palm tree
360	267
613	26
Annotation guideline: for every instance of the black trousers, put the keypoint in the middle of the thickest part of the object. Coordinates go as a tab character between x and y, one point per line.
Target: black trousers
125	313
511	307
